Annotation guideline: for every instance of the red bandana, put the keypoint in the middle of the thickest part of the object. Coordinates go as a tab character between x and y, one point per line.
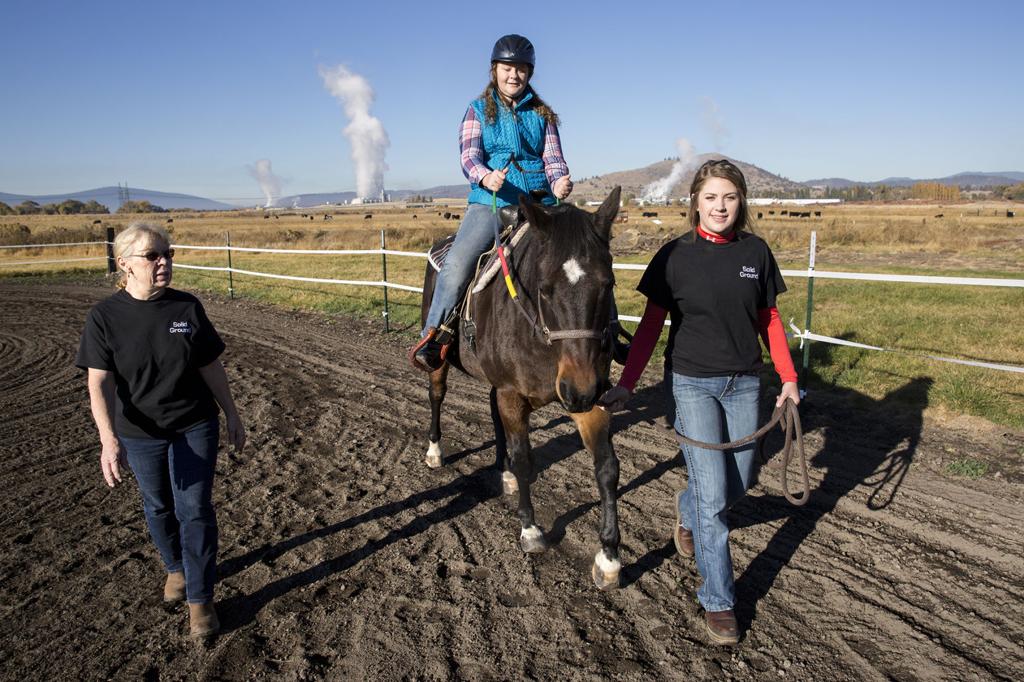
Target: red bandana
716	238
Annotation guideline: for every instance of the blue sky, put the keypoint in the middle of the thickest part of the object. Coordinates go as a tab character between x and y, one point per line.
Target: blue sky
182	97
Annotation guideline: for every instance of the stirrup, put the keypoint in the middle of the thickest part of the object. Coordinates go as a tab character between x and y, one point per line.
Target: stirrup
436	337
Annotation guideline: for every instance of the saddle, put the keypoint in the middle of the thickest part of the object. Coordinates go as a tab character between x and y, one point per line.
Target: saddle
513	227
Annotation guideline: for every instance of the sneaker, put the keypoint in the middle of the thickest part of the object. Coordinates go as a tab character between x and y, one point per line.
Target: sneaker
721	627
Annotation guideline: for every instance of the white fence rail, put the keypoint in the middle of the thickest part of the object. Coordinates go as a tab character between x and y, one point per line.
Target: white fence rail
805	335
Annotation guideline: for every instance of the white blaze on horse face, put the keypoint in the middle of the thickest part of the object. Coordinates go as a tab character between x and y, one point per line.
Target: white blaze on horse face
573	271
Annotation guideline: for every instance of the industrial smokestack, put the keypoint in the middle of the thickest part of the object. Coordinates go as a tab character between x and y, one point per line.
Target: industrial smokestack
270	184
659	189
365	132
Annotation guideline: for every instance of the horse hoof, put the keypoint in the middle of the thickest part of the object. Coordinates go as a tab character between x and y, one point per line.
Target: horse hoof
532	540
433	458
509	483
605	573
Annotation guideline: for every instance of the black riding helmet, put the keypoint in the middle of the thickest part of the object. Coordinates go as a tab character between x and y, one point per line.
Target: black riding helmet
513	49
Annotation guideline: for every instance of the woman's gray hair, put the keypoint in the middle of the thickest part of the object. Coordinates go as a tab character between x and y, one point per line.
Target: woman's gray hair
126	239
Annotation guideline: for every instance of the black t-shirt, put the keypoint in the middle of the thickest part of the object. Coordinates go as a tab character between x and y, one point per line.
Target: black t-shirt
712	293
155	349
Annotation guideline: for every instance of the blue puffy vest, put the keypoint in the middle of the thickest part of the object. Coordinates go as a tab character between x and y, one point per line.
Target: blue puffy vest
517	134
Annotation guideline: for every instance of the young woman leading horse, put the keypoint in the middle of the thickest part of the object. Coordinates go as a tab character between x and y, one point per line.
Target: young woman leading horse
552	341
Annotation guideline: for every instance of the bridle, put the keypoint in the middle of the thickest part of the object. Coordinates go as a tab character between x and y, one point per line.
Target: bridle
547	335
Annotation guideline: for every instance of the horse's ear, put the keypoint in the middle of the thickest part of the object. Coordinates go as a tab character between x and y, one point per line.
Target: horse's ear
534	213
605	215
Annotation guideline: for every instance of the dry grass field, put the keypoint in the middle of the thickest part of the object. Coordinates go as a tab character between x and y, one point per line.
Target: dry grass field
959	239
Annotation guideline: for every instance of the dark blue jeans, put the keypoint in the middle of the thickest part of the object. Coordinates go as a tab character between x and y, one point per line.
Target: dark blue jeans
175	478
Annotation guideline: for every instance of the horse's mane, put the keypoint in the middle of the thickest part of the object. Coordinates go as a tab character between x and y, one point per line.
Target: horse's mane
570	231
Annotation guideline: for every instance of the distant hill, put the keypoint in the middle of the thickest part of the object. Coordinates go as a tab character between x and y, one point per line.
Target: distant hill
759	181
108	196
968	179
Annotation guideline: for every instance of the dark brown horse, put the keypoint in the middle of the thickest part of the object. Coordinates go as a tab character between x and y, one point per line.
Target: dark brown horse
554	343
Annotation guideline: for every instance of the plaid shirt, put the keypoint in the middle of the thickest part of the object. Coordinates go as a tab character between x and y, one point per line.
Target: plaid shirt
471	145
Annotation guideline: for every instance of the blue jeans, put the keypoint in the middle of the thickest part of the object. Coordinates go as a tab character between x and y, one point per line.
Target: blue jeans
475	236
175	477
715	410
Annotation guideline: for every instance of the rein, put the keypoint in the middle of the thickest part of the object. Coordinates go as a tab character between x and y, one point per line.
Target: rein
537	322
789	416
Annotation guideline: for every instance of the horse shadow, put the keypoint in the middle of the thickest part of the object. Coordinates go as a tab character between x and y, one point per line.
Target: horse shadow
867	443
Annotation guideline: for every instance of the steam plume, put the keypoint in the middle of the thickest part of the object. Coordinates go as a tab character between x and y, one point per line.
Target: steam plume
270	184
365	132
713	122
659	189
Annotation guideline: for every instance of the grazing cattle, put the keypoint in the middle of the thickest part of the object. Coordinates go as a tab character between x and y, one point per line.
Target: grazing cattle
266	217
275	217
682	213
650	214
303	215
170	220
367	216
560	352
760	215
414	216
97	222
447	215
783	212
939	215
1009	214
817	214
771	212
456	216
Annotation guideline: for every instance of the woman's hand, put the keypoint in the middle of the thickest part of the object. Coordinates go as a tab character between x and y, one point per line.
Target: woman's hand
111	460
614	399
789	390
495	179
562	187
236	432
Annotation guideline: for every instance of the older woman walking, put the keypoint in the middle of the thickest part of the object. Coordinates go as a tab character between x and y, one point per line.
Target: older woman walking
155	382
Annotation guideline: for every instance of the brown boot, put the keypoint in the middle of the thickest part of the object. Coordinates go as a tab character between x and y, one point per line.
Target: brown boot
203	621
174	588
682	536
721	627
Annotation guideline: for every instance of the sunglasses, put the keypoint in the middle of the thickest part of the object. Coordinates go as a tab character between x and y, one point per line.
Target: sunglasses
151	256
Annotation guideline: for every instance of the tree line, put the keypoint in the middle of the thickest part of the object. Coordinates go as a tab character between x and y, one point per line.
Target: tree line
75	207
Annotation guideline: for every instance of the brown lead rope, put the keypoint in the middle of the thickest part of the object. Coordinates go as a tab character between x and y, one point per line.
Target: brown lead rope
789	416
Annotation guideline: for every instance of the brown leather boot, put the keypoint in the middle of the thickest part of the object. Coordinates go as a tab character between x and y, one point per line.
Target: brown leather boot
682	536
203	621
174	588
721	627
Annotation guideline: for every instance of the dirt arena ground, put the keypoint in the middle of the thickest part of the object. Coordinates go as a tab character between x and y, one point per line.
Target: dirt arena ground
344	557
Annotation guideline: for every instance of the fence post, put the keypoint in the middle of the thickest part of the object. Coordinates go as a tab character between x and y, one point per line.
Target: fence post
384	268
111	265
231	279
807	319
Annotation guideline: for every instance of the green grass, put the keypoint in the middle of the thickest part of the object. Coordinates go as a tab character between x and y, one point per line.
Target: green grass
967	467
